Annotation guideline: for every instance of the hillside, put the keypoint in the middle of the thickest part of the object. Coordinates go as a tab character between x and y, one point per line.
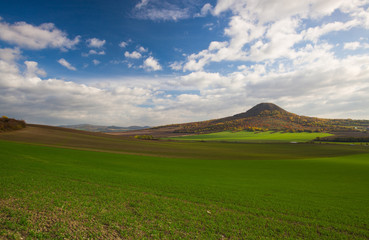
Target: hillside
263	117
97	128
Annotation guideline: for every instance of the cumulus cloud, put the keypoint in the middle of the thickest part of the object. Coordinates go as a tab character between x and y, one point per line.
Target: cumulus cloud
352	45
9	54
270	30
162	10
142	49
29	36
96	62
134	55
93	52
151	64
205	10
123	44
311	87
355	45
95	43
32	70
26	95
279	55
176	66
66	64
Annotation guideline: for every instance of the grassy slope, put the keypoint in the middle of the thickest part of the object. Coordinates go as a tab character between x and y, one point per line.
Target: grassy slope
257	136
48	192
61	137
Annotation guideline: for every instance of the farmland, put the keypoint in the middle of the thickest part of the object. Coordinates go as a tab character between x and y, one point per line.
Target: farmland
245	136
71	185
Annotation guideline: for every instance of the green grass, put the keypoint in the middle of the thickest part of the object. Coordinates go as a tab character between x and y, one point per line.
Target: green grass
243	136
285	193
348	143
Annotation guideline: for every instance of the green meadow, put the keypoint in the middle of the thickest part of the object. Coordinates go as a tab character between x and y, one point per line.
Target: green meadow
245	136
252	191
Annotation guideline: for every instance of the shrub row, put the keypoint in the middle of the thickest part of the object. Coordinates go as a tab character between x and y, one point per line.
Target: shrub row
9	124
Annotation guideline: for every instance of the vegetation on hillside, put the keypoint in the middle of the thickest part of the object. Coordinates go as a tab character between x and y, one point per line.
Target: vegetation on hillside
263	117
259	137
9	124
144	137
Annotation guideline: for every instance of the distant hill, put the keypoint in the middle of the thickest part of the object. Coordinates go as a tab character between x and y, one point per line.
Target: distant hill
107	129
260	109
262	117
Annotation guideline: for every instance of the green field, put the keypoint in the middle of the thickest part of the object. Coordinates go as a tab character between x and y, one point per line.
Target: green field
179	190
244	136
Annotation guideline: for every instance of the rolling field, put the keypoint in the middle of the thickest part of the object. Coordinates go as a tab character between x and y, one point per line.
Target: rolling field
72	185
244	136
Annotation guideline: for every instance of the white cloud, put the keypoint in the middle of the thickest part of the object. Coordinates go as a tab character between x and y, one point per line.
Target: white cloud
96	62
53	101
123	44
157	10
66	64
142	49
32	70
134	55
209	26
276	47
166	14
141	4
314	34
352	45
355	45
36	37
310	87
205	10
93	52
176	66
204	80
270	30
95	43
9	54
151	64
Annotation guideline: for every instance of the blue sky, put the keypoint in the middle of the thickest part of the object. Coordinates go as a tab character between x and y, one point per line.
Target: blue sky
151	62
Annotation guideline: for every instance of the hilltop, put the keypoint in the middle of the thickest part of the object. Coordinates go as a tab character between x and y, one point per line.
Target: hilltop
260	109
262	117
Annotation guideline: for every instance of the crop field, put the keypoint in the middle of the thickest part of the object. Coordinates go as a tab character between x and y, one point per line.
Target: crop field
71	185
244	136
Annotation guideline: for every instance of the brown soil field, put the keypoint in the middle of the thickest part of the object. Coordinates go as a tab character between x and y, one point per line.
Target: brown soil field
161	132
92	141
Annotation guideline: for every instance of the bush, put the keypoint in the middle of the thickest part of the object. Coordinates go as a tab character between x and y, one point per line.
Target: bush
8	124
144	137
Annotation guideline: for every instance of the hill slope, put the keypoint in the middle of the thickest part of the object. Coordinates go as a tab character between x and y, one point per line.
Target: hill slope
263	117
96	128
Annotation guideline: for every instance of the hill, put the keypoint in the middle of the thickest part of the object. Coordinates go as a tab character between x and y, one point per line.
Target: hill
97	128
264	117
260	109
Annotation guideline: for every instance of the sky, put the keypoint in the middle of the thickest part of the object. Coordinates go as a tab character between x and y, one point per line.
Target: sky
156	62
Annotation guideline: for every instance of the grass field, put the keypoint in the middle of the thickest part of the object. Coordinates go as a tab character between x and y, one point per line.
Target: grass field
244	136
250	191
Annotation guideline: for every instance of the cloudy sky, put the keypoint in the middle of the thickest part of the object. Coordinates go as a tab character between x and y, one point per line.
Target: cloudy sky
154	62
